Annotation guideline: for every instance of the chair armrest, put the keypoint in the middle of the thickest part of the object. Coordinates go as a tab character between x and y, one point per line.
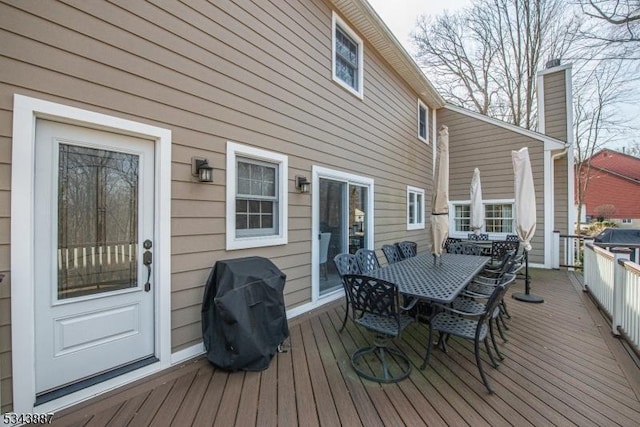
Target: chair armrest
489	281
453	310
471	294
410	305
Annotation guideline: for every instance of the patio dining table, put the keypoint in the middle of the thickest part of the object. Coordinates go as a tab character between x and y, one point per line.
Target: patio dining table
441	282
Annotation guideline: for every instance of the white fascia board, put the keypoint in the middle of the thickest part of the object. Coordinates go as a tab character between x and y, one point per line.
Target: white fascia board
554	69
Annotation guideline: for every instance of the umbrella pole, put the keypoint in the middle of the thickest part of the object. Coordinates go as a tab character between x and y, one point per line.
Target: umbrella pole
527	296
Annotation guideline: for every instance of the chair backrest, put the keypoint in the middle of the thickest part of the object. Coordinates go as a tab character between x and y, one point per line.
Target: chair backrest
481	236
462	248
508	279
515	266
367	260
371	295
512	238
346	264
408	249
391	253
505	261
492	303
324	246
448	241
500	247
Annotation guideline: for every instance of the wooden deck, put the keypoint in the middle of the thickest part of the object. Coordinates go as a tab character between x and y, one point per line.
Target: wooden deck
562	367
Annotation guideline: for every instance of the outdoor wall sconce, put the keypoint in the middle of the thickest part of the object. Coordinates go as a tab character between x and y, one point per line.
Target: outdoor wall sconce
302	184
200	168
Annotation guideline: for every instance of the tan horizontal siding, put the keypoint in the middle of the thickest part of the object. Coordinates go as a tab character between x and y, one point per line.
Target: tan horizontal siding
476	143
5	233
6	386
555	105
561	202
254	73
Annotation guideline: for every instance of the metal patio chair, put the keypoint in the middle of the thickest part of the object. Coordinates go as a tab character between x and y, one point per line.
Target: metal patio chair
367	260
500	247
469	303
462	248
448	242
481	236
473	327
391	253
375	305
346	264
407	249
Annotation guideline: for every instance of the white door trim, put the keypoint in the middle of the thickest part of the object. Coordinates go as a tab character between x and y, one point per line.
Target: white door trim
25	112
322	172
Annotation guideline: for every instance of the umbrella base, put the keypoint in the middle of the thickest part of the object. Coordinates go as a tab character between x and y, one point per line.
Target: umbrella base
528	298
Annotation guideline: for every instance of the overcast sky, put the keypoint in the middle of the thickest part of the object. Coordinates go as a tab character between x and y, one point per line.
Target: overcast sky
400	15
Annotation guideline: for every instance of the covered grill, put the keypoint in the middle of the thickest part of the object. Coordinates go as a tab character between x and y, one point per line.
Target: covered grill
243	313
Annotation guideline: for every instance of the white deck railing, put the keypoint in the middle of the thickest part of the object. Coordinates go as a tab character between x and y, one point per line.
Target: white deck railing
627	300
614	282
568	250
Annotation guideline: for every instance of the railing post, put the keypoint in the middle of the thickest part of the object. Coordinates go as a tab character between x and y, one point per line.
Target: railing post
555	250
620	255
588	265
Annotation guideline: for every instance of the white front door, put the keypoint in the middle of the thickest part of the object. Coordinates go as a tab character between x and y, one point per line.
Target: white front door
94	295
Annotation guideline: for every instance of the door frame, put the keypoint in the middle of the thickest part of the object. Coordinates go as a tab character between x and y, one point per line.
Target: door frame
25	112
349	178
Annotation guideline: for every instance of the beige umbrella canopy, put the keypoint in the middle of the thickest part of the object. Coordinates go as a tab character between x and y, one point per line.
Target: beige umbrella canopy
525	203
477	211
440	205
525	213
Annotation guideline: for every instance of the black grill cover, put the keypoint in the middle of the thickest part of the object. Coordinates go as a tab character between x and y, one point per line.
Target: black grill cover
243	313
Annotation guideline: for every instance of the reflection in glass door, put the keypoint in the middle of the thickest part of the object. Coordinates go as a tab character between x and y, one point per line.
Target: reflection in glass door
342	226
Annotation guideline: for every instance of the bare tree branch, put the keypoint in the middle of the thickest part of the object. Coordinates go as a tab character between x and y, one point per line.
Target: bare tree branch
494	50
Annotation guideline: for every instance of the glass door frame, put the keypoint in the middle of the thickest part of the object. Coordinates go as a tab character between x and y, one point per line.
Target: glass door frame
319	172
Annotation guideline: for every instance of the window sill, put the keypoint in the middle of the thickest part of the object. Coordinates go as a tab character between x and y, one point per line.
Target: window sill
235	243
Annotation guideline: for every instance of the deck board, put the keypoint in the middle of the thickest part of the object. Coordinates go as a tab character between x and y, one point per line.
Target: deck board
192	401
212	397
560	368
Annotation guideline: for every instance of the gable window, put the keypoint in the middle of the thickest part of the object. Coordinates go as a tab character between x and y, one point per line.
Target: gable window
423	122
347	57
256	197
415	208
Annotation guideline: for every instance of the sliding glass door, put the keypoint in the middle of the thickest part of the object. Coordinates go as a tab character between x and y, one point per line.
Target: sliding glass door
343	223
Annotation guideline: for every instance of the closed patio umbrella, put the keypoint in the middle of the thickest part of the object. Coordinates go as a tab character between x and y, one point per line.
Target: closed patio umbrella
440	205
525	210
477	210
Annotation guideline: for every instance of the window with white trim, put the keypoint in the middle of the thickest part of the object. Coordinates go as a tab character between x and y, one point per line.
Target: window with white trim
423	122
415	208
256	197
347	61
627	221
462	217
498	218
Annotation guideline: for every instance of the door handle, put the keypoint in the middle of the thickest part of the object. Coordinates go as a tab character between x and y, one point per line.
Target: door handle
147	260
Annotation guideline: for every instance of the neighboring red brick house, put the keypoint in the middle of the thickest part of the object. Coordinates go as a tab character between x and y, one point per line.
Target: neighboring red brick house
614	180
